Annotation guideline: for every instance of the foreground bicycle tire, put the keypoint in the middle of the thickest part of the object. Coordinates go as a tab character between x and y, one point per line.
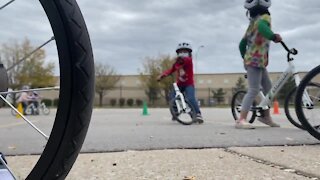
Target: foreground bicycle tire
314	131
76	90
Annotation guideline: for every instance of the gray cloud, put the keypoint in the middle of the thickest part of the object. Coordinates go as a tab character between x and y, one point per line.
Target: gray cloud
124	32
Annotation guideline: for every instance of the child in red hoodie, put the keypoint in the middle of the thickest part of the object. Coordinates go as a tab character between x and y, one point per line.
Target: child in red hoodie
185	77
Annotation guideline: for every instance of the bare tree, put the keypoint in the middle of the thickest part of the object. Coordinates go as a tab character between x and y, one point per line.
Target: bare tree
152	68
106	79
149	79
166	62
33	71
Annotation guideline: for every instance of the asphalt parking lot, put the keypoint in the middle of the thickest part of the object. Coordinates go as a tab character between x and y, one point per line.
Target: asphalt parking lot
154	147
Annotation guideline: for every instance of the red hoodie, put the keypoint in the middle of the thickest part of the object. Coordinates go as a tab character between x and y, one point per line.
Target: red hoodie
184	68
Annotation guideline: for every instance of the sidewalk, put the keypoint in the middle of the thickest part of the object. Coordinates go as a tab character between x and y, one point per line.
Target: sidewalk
263	153
297	162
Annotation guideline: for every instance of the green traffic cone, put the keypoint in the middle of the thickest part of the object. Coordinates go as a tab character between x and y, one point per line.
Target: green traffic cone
145	109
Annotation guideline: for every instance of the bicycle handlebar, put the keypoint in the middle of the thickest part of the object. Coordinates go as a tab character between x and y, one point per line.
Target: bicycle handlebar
292	51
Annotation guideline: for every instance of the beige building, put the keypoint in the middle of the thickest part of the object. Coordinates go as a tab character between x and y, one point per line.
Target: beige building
129	87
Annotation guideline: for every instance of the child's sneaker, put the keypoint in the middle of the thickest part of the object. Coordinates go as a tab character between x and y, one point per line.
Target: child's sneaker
243	125
199	119
268	121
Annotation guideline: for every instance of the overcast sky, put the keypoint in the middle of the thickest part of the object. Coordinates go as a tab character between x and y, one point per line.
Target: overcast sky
124	32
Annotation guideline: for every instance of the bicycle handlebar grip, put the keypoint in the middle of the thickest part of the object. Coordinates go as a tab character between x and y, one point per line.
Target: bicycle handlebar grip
294	51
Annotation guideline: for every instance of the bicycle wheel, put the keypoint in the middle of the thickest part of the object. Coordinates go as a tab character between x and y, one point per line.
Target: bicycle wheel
29	110
76	90
13	112
310	116
289	109
236	103
185	117
45	111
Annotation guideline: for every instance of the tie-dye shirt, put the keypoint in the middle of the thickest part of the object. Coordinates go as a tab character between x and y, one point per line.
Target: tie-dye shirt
257	38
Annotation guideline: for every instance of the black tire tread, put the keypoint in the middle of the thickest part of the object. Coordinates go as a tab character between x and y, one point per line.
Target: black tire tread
299	109
287	111
234	97
81	100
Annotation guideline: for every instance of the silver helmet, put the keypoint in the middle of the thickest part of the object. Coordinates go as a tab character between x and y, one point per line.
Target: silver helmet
249	4
184	45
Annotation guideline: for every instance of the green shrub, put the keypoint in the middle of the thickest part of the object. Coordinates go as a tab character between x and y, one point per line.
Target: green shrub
139	102
122	101
48	102
130	102
113	102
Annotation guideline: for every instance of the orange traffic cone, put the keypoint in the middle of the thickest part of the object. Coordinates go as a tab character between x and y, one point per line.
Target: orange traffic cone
276	107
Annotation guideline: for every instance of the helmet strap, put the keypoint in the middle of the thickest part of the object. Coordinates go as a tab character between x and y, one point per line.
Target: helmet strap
248	15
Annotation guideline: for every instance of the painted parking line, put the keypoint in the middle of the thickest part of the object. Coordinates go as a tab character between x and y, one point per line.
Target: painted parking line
15	124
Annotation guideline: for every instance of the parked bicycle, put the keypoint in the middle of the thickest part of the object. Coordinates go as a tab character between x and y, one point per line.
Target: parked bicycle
33	110
308	112
266	100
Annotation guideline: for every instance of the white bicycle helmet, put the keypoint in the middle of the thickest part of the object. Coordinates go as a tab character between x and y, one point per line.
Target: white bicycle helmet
184	45
25	87
249	4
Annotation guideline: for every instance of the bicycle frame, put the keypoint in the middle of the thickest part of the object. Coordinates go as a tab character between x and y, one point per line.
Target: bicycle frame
289	72
181	106
277	86
10	173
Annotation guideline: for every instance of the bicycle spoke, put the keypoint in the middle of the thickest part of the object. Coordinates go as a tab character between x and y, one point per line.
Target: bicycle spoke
30	90
24	118
315	98
73	54
7	4
315	84
312	113
28	55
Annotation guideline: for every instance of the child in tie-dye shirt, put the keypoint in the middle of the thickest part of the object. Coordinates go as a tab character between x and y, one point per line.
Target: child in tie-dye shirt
254	48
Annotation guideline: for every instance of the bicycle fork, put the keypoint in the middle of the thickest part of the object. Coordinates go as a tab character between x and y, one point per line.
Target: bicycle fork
181	103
